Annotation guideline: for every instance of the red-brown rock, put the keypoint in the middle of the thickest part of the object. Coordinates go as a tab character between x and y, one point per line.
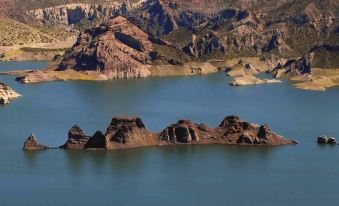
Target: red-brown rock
77	139
117	48
184	131
32	144
128	132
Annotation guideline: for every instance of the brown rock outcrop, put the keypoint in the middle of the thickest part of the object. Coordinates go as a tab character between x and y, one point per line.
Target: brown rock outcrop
6	93
117	48
232	130
130	132
184	131
75	13
236	131
97	141
294	67
32	144
77	139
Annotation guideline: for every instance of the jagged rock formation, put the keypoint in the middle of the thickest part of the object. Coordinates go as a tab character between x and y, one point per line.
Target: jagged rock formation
77	12
184	131
32	144
159	17
236	131
77	139
294	67
6	93
118	49
130	132
288	28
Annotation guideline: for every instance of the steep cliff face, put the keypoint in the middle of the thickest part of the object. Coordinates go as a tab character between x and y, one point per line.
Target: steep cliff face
206	29
117	48
159	18
75	13
77	139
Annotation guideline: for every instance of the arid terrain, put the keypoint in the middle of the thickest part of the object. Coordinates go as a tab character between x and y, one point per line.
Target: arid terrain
289	39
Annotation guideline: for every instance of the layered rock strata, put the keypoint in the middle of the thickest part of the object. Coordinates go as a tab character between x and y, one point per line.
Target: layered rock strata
118	49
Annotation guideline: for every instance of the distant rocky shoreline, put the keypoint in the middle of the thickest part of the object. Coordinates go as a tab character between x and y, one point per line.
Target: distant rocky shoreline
130	132
121	48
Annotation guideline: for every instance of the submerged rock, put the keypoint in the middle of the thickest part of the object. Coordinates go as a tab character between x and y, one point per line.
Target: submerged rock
251	80
32	144
37	76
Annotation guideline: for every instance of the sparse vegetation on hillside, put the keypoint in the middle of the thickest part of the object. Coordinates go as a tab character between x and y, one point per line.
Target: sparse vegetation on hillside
21	34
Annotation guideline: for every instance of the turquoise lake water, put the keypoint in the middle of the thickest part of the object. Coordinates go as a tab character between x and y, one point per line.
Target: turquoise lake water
305	174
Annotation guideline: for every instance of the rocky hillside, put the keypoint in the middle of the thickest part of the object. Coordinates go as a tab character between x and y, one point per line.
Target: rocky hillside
22	34
117	47
206	29
78	13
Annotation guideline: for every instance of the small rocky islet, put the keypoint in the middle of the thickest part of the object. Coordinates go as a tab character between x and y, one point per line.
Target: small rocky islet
7	93
130	132
323	140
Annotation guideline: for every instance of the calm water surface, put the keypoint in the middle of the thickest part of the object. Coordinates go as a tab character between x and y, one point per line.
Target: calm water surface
306	174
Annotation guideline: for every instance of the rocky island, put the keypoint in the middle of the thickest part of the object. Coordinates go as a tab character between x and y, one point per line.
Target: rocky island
6	93
130	132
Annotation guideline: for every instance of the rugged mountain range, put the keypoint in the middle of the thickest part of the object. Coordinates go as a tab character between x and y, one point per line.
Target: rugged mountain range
206	29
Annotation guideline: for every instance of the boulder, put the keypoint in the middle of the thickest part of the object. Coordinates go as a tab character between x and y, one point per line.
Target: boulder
32	144
331	141
322	139
77	139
